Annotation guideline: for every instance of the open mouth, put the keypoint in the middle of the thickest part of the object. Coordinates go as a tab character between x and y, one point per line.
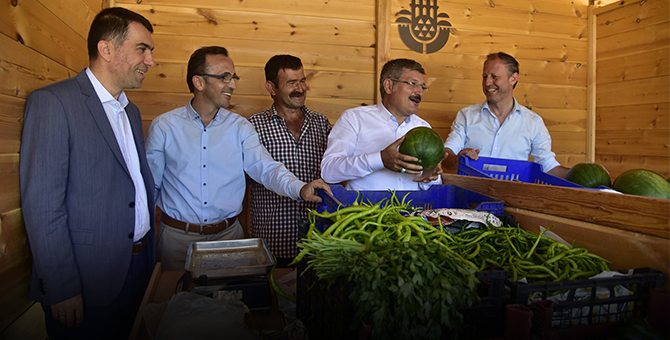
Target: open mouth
415	99
491	89
141	72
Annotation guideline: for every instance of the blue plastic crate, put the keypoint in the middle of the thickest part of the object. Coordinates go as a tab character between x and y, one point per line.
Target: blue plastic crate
510	170
436	197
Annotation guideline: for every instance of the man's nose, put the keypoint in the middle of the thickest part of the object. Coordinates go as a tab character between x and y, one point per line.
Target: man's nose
233	84
149	61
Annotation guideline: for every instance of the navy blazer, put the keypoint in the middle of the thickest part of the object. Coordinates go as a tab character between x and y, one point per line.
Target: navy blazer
77	195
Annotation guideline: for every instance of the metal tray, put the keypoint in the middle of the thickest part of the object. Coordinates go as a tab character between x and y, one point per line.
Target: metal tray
230	258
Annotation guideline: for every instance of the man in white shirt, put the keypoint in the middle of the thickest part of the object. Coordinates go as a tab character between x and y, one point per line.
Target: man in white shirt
363	145
500	127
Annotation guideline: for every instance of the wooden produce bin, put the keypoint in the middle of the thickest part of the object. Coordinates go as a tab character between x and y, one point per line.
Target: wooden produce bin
162	287
631	231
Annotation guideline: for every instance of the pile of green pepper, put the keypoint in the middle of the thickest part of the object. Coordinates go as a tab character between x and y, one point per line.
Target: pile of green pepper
401	264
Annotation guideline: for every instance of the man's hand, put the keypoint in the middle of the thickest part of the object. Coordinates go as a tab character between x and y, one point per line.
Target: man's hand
430	175
471	153
395	161
69	312
309	190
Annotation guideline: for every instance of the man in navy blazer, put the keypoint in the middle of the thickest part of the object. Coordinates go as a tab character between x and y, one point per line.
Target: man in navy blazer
86	187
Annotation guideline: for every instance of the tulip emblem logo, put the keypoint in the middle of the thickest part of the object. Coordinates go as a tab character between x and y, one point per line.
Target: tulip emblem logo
422	29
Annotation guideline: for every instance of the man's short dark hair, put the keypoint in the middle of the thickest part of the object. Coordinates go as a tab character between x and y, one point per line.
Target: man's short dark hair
394	69
197	64
111	24
510	63
280	62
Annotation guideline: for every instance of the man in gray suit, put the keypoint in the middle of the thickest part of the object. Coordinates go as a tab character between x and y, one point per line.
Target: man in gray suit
86	188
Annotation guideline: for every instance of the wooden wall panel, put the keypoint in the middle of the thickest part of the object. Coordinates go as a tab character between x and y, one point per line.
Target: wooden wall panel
32	24
634	142
475	16
342	9
10	197
617	163
633	86
14	242
257	26
78	11
643	91
634	117
632	16
463	66
11	117
636	66
15	286
632	42
466	41
24	70
178	49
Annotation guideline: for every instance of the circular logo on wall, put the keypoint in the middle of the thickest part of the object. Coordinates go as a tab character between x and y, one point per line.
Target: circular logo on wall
423	30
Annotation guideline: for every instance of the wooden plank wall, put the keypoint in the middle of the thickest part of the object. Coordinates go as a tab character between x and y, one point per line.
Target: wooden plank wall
43	41
335	40
547	37
632	89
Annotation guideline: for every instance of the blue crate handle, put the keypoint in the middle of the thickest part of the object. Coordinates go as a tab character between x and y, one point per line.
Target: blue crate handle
514	170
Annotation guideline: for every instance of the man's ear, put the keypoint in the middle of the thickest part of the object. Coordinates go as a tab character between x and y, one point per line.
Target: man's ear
270	87
105	50
388	85
198	82
514	78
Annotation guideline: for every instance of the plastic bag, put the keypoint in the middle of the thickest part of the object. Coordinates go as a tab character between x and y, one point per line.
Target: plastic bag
193	316
288	284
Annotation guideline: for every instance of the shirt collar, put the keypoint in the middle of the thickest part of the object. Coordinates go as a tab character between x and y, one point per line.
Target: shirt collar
194	115
386	114
516	108
307	112
102	92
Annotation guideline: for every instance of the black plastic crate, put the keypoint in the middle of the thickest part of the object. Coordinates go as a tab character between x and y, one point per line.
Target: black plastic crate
327	312
585	316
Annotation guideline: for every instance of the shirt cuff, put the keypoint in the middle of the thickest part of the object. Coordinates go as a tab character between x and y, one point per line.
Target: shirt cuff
294	191
375	161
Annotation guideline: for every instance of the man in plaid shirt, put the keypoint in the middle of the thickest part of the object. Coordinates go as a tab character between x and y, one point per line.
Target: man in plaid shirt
296	137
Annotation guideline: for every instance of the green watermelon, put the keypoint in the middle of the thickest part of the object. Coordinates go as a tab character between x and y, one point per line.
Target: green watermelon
642	182
589	175
425	144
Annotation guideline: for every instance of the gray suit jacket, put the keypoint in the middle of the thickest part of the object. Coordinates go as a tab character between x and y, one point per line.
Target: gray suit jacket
77	195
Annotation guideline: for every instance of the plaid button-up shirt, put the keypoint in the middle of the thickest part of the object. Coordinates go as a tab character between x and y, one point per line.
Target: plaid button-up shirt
275	218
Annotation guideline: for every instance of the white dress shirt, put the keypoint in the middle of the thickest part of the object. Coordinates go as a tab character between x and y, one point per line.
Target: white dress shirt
354	150
118	119
199	170
523	133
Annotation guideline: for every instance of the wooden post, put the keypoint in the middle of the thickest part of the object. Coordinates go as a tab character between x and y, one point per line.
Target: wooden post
383	51
591	86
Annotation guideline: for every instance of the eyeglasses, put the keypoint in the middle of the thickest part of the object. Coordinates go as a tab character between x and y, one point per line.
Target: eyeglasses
422	86
225	78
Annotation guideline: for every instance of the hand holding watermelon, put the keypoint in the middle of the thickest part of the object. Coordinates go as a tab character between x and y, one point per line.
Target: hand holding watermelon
425	144
398	162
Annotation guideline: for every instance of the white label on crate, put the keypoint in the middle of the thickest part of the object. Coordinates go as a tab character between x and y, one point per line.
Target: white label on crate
494	167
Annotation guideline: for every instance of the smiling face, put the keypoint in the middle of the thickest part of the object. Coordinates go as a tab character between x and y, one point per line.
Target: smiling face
497	83
291	89
213	90
132	58
402	99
